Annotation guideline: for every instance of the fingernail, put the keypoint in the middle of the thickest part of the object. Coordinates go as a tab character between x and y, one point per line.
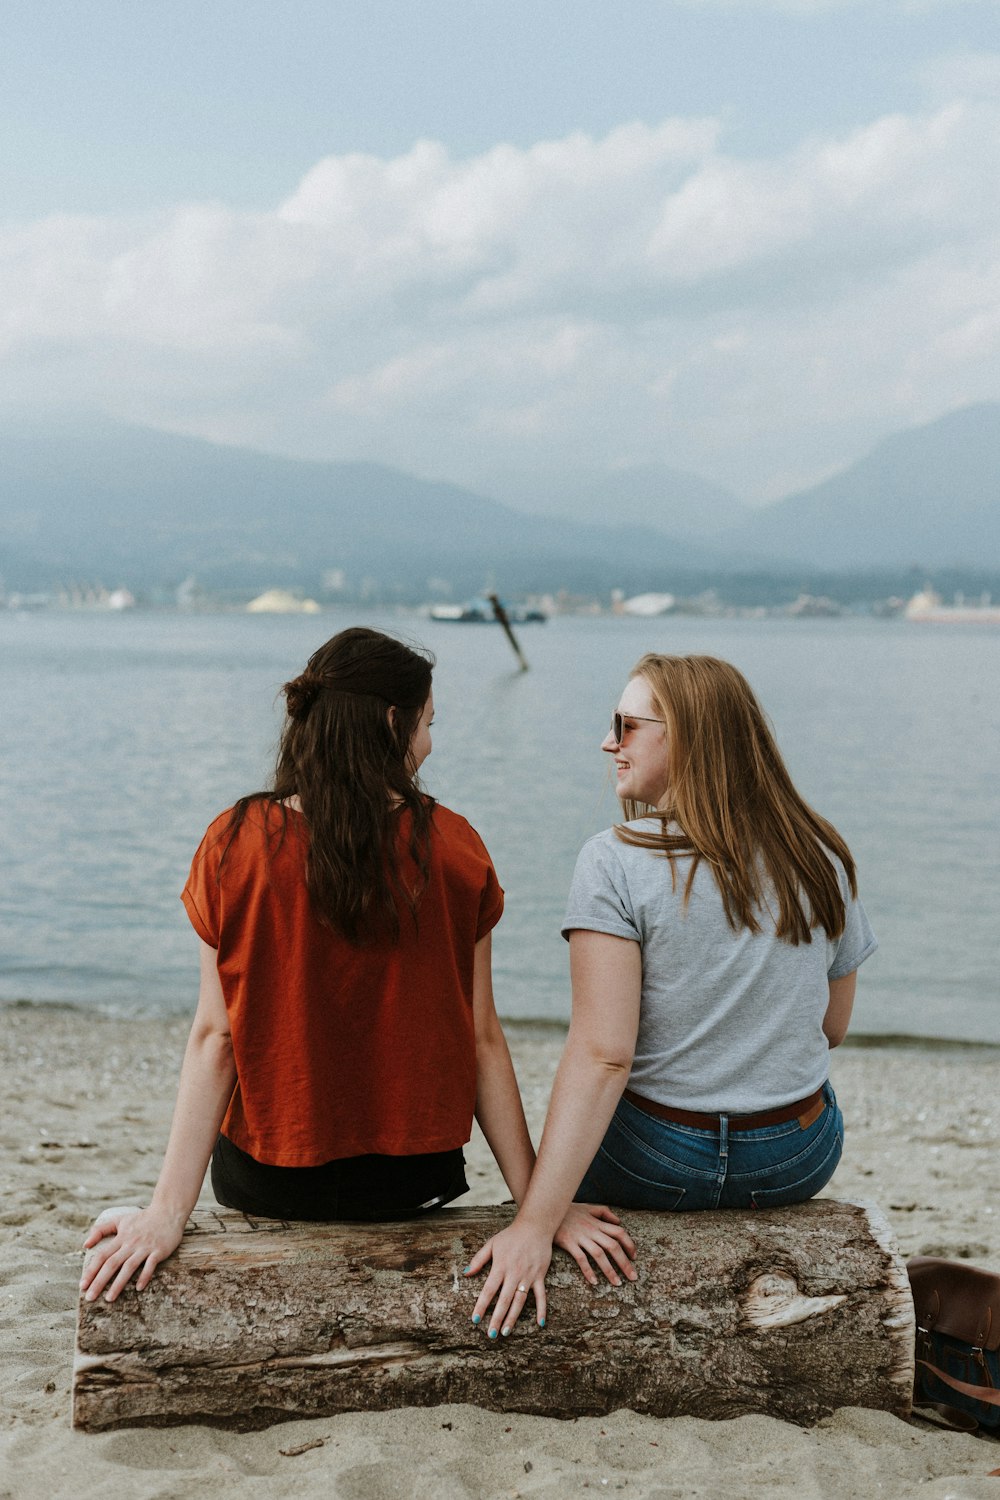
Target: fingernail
541	1322
493	1333
467	1270
504	1332
477	1317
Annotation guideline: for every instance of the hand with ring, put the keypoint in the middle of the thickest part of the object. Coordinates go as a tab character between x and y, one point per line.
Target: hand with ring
520	1255
520	1258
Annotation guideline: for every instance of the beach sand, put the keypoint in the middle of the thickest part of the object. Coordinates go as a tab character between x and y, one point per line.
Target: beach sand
87	1101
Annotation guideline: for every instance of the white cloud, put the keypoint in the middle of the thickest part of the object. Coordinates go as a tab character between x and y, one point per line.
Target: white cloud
640	296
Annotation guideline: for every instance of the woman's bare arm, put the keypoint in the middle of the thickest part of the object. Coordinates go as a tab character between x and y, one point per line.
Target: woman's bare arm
607	982
134	1242
838	1011
498	1099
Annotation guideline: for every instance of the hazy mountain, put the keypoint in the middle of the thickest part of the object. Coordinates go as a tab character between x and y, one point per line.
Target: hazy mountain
97	502
928	496
125	505
680	504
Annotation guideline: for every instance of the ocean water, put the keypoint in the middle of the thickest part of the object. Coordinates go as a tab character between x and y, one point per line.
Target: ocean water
121	736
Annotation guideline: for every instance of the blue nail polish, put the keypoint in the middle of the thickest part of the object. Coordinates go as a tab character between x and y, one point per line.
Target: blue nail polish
467	1270
541	1322
477	1317
493	1333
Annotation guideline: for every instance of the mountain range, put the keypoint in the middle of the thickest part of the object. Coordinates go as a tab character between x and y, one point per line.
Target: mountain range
929	496
89	500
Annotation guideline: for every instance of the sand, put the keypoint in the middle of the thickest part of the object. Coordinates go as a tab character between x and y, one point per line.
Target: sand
86	1107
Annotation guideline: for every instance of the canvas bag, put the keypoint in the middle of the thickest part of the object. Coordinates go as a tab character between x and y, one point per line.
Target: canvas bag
957	1309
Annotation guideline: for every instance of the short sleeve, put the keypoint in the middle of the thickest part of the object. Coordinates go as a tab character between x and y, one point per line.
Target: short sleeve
201	893
857	941
599	899
477	867
490	902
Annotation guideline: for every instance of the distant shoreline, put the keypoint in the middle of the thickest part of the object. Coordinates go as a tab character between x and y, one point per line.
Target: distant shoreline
540	1026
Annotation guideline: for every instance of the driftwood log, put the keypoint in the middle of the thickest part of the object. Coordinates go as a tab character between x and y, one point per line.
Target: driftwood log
791	1312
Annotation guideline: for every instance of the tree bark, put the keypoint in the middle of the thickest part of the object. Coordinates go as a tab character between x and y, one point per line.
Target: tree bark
792	1312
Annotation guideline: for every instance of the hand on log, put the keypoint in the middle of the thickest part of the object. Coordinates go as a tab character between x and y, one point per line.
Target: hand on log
129	1242
521	1257
788	1311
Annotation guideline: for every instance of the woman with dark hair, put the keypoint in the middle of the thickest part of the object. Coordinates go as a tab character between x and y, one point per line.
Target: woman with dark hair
715	938
346	1031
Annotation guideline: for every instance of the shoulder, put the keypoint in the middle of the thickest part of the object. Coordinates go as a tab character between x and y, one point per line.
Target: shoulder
456	831
602	861
216	831
842	877
606	850
259	822
465	865
600	847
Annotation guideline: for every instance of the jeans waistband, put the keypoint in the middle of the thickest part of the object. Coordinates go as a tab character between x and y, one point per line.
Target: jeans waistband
806	1111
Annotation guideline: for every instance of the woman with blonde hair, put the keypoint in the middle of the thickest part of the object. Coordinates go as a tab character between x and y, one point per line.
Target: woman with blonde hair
714	941
345	1033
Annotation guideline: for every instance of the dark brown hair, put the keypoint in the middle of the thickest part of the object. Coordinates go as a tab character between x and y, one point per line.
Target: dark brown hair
346	758
731	802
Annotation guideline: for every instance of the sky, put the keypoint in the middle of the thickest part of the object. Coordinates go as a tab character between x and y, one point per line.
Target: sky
504	243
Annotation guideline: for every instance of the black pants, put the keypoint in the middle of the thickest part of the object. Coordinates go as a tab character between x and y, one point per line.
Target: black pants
356	1187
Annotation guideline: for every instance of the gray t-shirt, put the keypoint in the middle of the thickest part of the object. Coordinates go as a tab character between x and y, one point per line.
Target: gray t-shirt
730	1022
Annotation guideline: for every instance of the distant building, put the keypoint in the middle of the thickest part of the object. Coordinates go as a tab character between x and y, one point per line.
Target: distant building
281	602
647	605
927	608
814	607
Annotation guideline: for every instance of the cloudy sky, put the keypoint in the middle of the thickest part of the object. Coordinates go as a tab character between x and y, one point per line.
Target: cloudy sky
497	241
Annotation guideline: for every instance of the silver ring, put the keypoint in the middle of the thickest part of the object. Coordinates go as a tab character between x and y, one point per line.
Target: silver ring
522	1288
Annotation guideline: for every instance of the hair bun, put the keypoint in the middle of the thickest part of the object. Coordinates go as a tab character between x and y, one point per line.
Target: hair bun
300	693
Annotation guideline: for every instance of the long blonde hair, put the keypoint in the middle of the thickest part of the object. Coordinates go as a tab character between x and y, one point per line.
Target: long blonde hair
730	801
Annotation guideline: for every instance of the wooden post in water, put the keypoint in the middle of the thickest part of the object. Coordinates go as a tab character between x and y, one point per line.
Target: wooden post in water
501	615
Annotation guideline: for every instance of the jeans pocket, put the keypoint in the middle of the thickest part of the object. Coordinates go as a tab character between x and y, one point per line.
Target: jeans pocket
625	1184
633	1190
813	1175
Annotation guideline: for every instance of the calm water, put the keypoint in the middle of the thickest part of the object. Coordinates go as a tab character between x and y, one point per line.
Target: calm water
121	736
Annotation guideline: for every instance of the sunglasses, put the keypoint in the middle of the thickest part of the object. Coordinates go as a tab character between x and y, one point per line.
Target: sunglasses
622	723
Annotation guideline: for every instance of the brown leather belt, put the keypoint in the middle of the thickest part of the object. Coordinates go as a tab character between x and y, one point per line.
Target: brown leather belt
806	1111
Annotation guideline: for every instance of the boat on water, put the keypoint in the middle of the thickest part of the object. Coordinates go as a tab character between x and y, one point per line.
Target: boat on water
927	608
480	611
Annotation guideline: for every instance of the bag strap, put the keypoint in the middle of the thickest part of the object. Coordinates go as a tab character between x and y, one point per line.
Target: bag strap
988	1395
941	1415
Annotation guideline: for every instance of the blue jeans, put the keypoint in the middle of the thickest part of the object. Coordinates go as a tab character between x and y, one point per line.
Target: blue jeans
644	1162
